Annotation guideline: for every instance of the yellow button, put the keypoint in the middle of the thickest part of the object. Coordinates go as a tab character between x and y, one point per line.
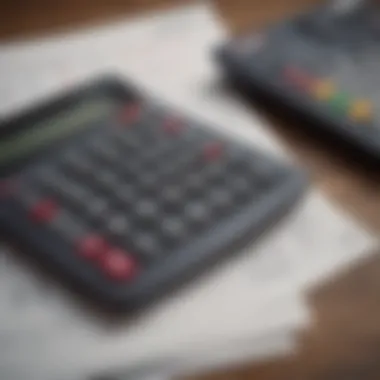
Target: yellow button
324	90
361	111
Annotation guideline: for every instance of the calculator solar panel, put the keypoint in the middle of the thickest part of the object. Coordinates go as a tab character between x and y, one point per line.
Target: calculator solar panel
127	198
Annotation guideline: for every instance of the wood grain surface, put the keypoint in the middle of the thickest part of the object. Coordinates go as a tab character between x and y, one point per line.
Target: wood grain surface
344	343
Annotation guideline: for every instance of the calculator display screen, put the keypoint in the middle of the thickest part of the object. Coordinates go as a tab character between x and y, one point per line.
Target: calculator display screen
54	128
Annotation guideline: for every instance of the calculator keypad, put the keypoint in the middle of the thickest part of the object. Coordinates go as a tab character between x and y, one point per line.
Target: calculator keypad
145	186
138	192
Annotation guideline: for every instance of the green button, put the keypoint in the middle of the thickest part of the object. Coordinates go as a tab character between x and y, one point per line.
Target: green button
340	103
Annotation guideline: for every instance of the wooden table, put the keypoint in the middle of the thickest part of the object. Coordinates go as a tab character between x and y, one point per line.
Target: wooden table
345	341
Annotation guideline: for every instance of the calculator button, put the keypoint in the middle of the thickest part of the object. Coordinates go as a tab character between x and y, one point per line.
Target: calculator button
74	193
118	265
197	213
107	179
194	184
117	226
44	211
172	126
214	171
129	142
152	155
95	143
146	244
148	180
108	152
361	111
70	157
92	247
131	167
131	113
172	194
221	199
49	178
323	90
172	197
340	103
124	194
213	151
84	167
184	161
173	229
146	210
241	184
297	78
96	208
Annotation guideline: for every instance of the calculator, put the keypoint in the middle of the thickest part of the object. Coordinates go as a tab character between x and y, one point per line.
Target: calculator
126	198
322	65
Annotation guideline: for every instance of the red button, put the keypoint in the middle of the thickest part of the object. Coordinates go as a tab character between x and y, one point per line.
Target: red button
213	151
297	77
118	265
44	211
92	247
173	126
131	113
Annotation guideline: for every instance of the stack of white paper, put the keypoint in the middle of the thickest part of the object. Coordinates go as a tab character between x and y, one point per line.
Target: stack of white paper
250	308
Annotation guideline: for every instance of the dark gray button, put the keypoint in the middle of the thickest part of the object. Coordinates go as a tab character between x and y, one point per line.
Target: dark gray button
129	141
46	174
131	166
96	143
195	183
185	159
147	245
148	179
221	199
73	192
197	212
146	210
172	194
150	159
168	168
241	186
162	147
84	167
107	179
173	229
108	152
49	178
238	164
71	157
61	187
102	147
214	171
117	226
96	208
125	194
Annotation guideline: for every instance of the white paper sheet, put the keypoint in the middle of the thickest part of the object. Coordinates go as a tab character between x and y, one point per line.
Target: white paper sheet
170	56
266	347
